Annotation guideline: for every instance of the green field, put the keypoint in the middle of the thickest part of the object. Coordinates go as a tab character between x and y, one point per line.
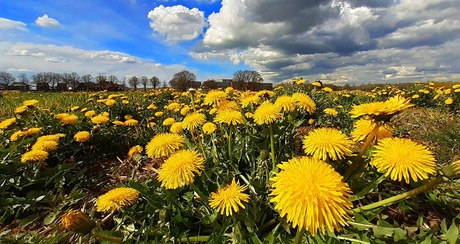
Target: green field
302	163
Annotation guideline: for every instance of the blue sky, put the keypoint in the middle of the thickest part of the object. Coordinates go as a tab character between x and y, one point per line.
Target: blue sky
336	41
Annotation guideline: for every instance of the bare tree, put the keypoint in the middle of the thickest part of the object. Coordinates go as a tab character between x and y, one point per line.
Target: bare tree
164	84
101	80
183	80
155	82
23	78
248	78
53	79
133	82
87	79
6	78
144	82
112	79
74	80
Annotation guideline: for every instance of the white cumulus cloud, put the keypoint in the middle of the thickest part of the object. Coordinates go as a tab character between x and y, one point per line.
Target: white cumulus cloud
11	24
177	23
47	22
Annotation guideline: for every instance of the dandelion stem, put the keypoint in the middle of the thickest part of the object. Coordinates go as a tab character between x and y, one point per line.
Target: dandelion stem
402	196
203	197
272	148
194	239
353	168
229	141
298	236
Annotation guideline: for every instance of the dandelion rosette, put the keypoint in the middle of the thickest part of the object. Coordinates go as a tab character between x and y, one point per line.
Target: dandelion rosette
164	144
326	143
403	159
311	194
229	199
117	198
180	169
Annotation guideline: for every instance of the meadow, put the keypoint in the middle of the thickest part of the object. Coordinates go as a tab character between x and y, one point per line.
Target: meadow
300	164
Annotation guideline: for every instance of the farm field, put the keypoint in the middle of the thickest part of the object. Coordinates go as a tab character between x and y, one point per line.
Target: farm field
300	164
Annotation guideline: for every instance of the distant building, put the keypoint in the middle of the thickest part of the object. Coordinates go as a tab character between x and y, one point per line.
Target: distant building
18	86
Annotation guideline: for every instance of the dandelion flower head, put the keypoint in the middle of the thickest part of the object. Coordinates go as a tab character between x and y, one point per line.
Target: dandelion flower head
403	159
230	117
229	199
304	102
117	198
326	143
267	113
193	121
82	136
164	144
180	169
311	194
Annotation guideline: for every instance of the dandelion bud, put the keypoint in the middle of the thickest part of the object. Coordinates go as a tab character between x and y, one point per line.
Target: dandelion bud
96	129
452	171
77	221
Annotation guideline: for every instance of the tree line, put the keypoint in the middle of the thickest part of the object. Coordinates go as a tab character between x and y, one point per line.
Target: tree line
182	81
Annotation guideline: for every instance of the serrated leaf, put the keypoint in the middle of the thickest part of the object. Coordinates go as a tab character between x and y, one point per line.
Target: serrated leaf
400	234
452	234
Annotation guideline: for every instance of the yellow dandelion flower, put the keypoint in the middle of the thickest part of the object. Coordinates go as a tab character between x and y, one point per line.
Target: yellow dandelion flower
106	114
364	127
227	105
265	94
134	150
449	101
119	123
173	106
214	97
74	108
20	109
128	116
448	91
331	111
61	115
69	119
180	169
230	117
131	122
249	100
54	137
267	113
34	156
116	198
164	144
176	128
185	110
100	119
304	102
7	123
82	136
125	102
16	135
311	121
209	128
32	131
77	221
90	113
326	143
158	114
229	199
46	146
287	103
169	121
193	121
403	159
381	110
30	103
312	195
328	89
317	83
415	96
